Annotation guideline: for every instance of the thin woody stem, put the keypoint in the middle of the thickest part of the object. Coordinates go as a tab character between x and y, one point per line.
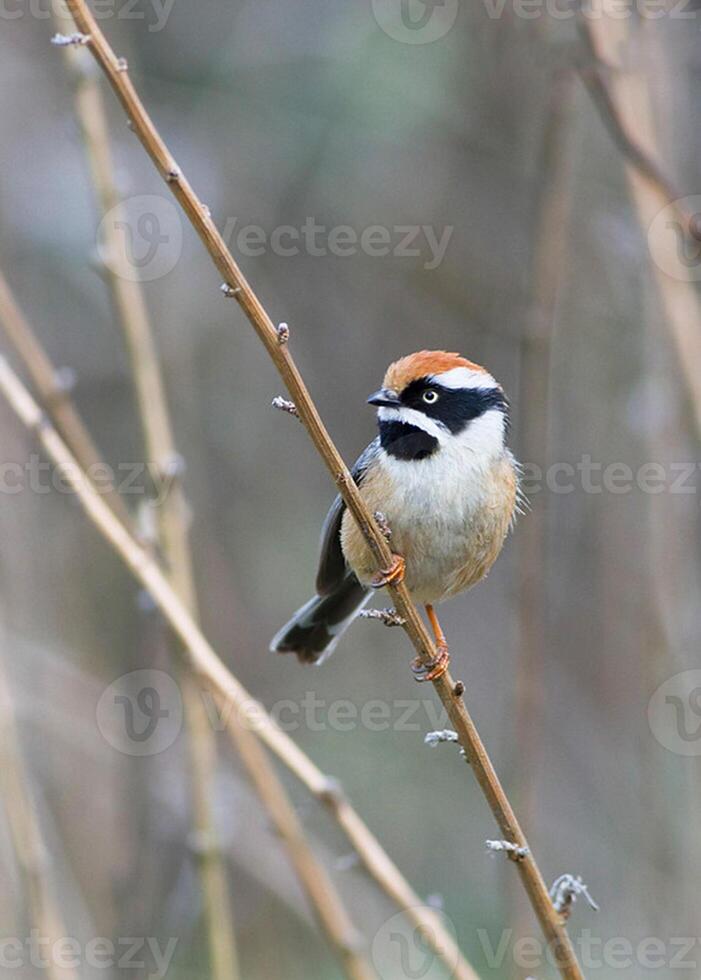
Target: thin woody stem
115	69
313	877
324	899
172	513
377	863
26	834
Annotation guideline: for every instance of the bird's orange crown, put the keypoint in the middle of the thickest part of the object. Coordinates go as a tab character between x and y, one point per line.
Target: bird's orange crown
423	363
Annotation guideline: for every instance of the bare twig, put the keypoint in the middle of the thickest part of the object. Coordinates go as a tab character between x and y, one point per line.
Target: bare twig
461	720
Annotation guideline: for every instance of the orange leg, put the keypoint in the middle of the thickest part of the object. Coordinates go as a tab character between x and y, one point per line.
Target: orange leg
438	667
390	576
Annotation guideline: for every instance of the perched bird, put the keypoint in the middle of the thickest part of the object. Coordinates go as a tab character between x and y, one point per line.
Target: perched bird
442	477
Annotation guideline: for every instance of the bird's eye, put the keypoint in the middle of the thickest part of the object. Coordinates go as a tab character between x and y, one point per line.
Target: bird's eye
430	396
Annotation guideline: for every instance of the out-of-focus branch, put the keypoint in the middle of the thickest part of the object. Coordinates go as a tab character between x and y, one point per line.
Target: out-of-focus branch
126	292
595	75
552	202
313	877
278	347
375	860
25	832
172	513
55	395
324	899
626	105
677	297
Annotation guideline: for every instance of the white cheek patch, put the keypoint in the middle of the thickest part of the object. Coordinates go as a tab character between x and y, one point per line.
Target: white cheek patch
462	377
484	435
410	416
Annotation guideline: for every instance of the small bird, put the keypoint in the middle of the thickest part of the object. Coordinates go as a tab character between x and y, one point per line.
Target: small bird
442	477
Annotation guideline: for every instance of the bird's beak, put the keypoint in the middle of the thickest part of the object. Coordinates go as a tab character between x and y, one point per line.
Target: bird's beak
386	398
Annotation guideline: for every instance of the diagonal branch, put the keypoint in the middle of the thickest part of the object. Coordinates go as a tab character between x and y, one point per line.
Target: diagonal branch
601	79
279	350
55	395
322	893
313	876
377	863
595	78
627	109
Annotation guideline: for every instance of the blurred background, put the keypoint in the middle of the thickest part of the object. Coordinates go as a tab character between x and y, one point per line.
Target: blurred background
510	230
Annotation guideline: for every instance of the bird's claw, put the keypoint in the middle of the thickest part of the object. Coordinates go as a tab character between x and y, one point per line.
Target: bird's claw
434	669
390	576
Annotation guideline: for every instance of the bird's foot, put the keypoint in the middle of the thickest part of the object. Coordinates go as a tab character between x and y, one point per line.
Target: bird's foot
434	669
390	576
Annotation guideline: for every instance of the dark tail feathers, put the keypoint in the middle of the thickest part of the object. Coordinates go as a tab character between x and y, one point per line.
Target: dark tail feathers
314	630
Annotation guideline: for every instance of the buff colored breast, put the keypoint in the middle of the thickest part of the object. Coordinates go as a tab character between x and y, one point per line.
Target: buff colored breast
448	521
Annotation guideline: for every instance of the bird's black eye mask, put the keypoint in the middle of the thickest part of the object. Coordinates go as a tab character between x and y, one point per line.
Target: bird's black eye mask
454	407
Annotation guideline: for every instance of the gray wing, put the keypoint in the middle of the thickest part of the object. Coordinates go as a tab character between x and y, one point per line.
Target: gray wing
332	564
